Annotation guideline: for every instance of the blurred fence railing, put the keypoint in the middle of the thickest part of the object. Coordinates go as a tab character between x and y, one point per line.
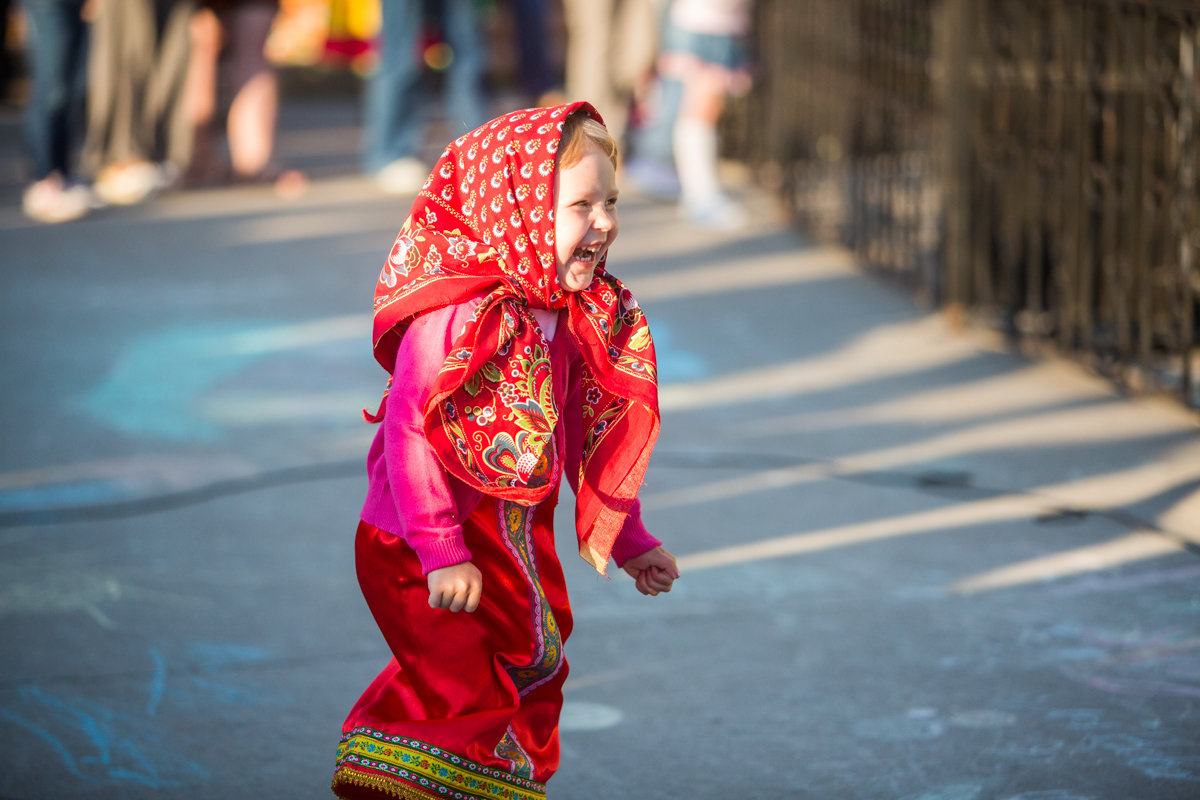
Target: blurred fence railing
1031	162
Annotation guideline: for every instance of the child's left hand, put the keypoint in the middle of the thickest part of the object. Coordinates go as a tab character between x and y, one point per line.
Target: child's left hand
654	571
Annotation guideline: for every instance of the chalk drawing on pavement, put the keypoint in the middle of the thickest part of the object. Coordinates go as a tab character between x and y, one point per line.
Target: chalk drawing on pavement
102	745
158	385
97	744
1140	663
59	593
955	791
675	361
923	724
1153	753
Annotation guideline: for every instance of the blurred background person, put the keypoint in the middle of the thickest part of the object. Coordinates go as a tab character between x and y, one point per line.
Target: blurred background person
7	62
138	138
705	49
532	35
57	55
611	46
228	60
396	103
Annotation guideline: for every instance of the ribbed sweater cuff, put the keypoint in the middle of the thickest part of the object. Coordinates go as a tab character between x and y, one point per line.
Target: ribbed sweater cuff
438	553
633	541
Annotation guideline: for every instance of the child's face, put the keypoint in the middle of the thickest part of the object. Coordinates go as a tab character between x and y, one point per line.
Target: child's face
585	217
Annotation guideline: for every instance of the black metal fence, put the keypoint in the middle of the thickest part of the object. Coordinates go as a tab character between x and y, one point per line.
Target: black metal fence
1030	162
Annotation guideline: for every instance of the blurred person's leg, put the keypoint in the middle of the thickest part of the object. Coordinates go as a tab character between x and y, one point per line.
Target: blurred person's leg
119	65
124	141
637	28
590	49
6	63
393	115
164	121
650	167
710	66
532	41
254	87
465	103
250	125
200	97
695	141
57	53
57	45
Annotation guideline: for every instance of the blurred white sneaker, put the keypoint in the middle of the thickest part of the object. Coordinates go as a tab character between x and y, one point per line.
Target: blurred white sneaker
52	200
652	179
402	176
128	183
718	212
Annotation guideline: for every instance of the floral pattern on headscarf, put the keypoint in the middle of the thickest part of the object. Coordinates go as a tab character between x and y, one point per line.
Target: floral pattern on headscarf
483	224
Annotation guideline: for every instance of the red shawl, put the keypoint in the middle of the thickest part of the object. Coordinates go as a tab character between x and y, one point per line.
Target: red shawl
484	224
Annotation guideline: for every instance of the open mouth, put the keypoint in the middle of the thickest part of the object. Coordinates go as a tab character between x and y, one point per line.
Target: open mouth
587	254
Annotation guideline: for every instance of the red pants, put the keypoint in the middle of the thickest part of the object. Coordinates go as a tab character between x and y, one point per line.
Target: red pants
468	706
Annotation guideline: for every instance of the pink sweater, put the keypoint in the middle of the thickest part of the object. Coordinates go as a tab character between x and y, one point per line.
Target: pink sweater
410	494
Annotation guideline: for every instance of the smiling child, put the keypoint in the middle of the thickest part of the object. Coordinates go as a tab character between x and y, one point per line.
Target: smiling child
515	358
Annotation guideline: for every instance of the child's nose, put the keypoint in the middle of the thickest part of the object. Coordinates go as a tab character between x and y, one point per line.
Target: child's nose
602	220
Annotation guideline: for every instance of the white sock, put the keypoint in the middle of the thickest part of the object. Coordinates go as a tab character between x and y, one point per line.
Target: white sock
696	161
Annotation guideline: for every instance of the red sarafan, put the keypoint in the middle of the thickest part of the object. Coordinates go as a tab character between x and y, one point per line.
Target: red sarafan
513	362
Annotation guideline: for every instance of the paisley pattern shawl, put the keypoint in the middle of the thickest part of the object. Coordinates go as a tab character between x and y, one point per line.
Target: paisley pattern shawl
483	224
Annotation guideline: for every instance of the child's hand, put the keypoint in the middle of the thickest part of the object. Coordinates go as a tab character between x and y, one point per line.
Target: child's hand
653	571
456	588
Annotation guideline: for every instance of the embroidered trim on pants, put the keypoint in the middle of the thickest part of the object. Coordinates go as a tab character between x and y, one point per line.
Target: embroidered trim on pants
396	765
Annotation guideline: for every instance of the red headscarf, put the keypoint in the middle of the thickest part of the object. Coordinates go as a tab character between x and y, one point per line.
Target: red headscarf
484	224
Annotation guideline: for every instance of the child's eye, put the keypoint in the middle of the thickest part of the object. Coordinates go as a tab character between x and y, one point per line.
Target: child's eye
611	202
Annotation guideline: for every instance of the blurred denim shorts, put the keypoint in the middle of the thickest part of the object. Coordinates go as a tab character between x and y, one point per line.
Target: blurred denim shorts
729	52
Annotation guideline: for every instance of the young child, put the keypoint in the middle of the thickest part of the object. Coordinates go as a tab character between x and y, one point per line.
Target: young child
515	357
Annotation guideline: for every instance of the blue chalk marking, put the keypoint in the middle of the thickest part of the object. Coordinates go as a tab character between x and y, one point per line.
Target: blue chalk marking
45	736
227	694
958	791
77	718
116	759
1081	719
675	363
158	681
1078	654
152	388
1158	766
1130	582
157	387
61	495
214	656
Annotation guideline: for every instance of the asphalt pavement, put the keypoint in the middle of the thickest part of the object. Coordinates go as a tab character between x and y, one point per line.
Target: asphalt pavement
916	565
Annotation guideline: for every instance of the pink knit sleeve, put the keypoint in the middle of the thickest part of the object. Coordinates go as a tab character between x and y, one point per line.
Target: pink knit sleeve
420	487
634	539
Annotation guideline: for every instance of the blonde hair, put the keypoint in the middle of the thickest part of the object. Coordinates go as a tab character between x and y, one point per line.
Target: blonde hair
578	130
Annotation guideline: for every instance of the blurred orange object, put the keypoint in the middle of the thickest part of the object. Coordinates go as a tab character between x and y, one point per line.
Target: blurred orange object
353	26
331	33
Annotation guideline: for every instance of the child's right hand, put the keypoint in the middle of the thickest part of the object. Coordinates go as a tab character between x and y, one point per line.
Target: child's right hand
456	588
654	571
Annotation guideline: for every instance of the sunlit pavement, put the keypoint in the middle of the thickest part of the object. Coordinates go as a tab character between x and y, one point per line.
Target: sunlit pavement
916	565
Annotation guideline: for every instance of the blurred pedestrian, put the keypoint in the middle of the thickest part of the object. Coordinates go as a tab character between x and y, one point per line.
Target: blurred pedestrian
611	46
6	56
228	63
396	101
138	139
705	49
57	53
533	40
515	358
